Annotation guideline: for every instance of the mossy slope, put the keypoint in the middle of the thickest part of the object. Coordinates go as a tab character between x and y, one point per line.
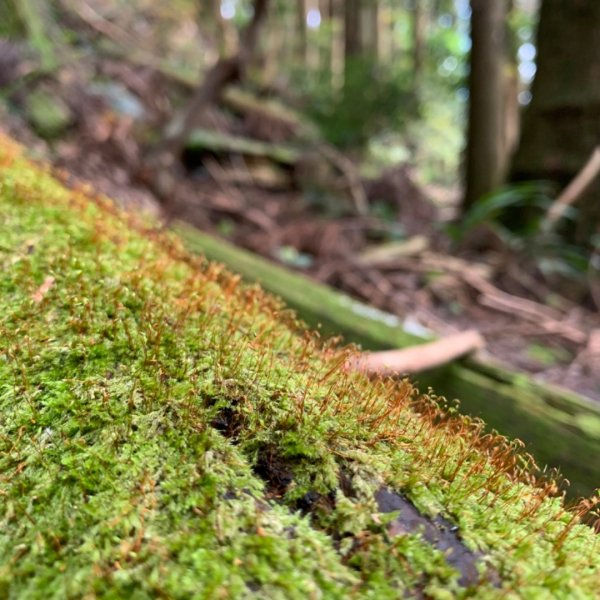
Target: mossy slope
167	432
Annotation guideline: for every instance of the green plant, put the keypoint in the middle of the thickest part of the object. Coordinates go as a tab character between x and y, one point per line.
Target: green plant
515	213
373	99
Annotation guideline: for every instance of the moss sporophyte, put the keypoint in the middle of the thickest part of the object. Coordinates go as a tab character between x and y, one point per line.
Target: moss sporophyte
167	431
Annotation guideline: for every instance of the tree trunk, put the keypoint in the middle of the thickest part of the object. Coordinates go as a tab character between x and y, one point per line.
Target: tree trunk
512	86
337	52
369	15
353	38
561	127
302	31
352	29
486	111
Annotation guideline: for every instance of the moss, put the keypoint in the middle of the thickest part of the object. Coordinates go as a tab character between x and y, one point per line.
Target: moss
48	114
169	432
558	426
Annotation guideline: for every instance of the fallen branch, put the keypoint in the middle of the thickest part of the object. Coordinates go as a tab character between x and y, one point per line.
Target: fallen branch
418	358
548	318
350	174
102	25
574	190
476	276
517	305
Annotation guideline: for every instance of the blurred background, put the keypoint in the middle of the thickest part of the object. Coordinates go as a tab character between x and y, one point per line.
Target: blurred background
437	159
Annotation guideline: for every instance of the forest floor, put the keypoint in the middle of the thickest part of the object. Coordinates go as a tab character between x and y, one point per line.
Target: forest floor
398	257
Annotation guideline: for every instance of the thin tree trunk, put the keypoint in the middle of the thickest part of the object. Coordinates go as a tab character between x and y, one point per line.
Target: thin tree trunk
352	29
312	55
486	110
369	15
512	118
352	36
337	44
512	110
302	30
418	31
383	35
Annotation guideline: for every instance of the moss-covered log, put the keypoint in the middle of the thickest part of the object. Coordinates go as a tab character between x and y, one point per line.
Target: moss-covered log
213	141
166	431
559	427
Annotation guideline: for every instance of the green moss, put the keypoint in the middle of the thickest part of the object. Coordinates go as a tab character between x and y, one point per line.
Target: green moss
168	432
48	115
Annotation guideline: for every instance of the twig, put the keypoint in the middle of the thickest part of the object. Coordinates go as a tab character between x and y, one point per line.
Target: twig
41	292
547	317
418	358
475	275
550	325
537	288
431	261
101	24
574	190
385	253
516	304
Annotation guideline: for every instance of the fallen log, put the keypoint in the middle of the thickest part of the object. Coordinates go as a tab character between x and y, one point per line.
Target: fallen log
559	426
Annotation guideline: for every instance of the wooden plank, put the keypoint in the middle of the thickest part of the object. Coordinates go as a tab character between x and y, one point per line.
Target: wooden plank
561	429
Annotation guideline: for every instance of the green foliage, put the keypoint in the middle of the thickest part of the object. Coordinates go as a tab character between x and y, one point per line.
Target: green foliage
516	213
373	99
516	209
